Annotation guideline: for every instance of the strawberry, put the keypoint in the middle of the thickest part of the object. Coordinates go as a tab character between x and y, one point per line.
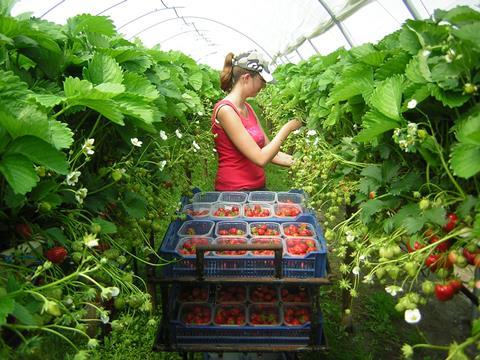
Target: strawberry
24	230
57	254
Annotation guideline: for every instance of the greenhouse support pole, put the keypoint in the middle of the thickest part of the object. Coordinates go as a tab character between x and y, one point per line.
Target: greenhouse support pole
313	46
412	9
300	55
338	23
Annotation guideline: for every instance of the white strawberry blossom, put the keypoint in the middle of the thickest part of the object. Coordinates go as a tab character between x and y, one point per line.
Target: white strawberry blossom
426	53
104	318
393	290
356	270
72	178
136	142
81	194
412	316
195	146
162	164
109	292
296	132
349	236
88	147
163	135
90	240
412	104
311	133
178	133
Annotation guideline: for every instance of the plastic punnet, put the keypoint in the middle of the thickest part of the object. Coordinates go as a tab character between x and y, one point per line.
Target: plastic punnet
264	229
206	197
298	229
238	197
262	197
231	228
196	227
195	313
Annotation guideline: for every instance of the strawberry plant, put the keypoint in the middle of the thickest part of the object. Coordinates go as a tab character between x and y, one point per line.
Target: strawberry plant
390	137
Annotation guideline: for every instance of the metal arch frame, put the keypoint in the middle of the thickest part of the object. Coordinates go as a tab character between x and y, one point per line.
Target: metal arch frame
207	19
181	33
146	14
340	26
412	9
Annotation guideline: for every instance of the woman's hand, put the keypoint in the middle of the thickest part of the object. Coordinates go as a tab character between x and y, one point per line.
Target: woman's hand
294	124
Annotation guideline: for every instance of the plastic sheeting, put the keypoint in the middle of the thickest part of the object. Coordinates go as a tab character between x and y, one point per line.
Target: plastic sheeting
285	30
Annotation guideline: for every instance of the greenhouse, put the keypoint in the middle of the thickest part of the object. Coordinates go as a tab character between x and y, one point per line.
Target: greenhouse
212	179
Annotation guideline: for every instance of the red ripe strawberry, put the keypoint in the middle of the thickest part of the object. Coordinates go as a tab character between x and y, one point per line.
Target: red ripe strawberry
57	254
452	220
444	292
23	230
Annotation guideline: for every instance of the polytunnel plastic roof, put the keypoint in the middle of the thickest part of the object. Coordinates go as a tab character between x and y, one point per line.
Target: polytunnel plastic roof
285	30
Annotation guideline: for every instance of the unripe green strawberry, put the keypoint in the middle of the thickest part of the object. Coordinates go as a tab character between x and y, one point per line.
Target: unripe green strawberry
116	175
424	204
411	268
469	88
428	287
95	228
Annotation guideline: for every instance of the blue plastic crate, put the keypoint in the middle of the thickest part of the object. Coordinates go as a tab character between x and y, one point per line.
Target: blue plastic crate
272	335
313	264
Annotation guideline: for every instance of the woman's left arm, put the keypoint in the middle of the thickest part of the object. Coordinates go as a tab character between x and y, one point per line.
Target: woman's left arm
281	159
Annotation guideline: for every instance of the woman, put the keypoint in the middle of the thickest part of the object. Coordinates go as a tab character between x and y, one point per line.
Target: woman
242	146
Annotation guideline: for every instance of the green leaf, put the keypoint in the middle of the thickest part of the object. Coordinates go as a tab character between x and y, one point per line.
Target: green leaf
19	172
89	23
135	205
413	224
368	184
374	172
140	85
429	152
12	284
42	189
40	152
406	184
196	80
467	206
60	134
467	131
356	80
435	215
465	160
107	108
370	208
458	15
58	235
409	40
450	98
394	65
107	226
475	327
47	100
74	87
389	171
446	75
6	307
109	90
24	316
136	107
417	69
469	32
375	123
387	97
333	117
103	69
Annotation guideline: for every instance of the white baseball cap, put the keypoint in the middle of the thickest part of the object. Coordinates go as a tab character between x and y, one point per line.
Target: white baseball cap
254	61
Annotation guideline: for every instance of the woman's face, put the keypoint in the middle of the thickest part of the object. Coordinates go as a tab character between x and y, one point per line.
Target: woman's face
256	83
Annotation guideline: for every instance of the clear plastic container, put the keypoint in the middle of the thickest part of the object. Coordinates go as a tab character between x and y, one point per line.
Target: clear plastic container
206	197
195	313
298	229
196	227
296	315
294	294
231	228
231	294
300	246
264	315
187	245
197	210
289	211
284	197
225	240
238	197
264	229
263	293
257	210
193	293
262	197
230	315
223	210
265	240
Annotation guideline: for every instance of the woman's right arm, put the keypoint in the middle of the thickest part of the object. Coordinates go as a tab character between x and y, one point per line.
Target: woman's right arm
233	127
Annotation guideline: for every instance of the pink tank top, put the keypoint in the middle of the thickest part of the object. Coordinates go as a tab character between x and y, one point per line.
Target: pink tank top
236	172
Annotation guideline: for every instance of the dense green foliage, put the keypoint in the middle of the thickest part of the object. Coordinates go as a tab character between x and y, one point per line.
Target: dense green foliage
393	138
99	138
